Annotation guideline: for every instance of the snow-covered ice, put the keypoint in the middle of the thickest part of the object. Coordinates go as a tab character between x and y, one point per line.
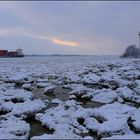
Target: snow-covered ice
106	96
136	121
28	88
49	88
123	137
14	128
114	111
16	94
27	108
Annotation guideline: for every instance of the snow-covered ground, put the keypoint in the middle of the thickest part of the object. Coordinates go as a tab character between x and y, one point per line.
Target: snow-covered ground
72	97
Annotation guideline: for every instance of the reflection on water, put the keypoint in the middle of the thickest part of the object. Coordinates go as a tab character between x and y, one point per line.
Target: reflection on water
133	104
59	93
62	94
92	134
88	103
36	129
50	105
91	104
38	94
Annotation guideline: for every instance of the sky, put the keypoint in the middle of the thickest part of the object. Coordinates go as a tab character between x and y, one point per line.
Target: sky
69	27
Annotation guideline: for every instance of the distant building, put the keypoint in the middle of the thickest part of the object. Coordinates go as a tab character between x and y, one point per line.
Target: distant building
3	53
131	51
17	53
12	54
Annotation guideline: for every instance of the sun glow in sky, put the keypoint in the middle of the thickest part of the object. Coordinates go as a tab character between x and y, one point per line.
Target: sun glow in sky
69	27
65	43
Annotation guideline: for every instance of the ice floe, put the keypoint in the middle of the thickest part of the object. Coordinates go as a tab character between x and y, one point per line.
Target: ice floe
14	128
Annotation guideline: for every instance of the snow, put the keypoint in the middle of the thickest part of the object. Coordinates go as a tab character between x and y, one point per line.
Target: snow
92	124
135	120
137	88
64	117
128	94
49	88
91	78
114	117
137	82
41	85
88	138
72	97
114	111
126	137
56	101
26	86
40	80
113	127
109	76
14	128
106	96
72	77
9	136
57	136
108	80
80	90
18	94
18	76
24	109
27	108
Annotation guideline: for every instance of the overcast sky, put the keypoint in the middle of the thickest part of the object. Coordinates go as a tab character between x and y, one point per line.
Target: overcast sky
69	27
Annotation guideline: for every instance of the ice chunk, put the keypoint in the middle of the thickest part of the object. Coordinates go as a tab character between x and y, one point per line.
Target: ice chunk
64	119
106	96
88	138
26	86
22	109
16	94
49	88
15	128
27	108
91	78
114	111
41	85
61	135
128	94
122	137
114	127
56	101
92	124
136	120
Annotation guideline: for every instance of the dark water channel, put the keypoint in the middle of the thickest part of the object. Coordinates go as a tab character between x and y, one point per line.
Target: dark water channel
91	104
60	93
36	129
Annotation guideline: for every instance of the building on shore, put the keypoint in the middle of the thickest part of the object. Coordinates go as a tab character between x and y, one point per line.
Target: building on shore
6	53
131	52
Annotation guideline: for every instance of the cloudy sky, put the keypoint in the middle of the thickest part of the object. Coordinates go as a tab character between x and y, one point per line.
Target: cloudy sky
69	27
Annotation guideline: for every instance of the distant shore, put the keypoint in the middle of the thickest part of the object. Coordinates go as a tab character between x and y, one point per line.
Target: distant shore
59	55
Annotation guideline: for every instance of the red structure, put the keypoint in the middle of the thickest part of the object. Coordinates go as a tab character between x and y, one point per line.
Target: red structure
3	53
17	53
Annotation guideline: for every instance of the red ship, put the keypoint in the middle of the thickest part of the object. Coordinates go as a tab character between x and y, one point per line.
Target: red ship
6	53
